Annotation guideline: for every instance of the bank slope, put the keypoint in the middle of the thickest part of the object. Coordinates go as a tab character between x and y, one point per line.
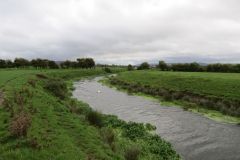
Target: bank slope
39	120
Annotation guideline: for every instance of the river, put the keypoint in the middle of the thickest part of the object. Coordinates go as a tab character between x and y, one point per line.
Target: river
193	136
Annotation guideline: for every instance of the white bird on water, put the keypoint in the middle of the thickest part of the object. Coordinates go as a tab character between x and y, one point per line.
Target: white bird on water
98	91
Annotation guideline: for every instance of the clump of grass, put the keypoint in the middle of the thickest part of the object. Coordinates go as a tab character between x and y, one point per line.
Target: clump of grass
57	87
32	82
73	107
33	143
41	76
108	135
20	124
19	98
150	127
132	153
95	118
7	104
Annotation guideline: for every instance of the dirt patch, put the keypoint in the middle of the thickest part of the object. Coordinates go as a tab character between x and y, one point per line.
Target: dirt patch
1	97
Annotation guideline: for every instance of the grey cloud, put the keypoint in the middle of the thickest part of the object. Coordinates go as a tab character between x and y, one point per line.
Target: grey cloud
121	31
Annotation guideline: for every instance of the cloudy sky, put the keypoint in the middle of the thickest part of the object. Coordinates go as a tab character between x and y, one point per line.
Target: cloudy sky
121	31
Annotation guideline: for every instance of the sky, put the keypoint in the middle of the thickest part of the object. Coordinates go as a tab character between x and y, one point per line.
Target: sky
121	31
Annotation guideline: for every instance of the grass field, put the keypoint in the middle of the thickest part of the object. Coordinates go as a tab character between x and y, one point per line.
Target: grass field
218	91
224	85
39	120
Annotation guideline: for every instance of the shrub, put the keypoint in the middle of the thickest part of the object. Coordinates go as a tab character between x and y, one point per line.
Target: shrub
107	70
113	121
20	124
57	87
143	66
130	67
134	130
150	127
132	153
95	118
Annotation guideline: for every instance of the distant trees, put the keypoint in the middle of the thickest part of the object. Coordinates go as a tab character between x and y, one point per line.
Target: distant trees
143	66
80	63
21	62
86	63
223	68
189	67
44	63
90	63
2	63
162	65
6	63
130	67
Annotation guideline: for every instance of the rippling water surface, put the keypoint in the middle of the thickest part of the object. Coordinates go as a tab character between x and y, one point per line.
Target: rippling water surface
193	136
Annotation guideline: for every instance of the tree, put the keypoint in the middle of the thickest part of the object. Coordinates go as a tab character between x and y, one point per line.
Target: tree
9	64
89	63
86	63
162	65
2	63
194	67
21	62
130	67
144	66
52	65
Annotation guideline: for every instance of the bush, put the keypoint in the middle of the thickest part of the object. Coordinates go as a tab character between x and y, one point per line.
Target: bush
20	124
143	66
130	67
95	118
150	127
132	153
113	121
107	70
57	87
134	130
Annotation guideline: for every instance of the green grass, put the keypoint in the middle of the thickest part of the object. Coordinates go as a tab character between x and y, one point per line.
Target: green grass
60	126
224	85
216	94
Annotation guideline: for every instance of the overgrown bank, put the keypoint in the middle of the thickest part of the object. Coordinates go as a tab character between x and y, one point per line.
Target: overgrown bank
39	120
193	90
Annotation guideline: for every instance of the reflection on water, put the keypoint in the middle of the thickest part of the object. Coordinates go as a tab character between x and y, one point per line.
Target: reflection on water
193	136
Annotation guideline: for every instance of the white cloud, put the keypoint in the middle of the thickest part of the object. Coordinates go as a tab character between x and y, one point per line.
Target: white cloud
121	31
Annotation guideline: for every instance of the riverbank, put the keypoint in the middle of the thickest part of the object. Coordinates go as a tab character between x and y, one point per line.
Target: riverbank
192	135
40	120
184	99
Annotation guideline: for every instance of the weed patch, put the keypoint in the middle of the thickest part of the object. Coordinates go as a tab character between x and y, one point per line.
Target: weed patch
95	118
132	153
57	87
20	124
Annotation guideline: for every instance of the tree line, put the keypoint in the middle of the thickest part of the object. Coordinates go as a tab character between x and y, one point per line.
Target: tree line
45	63
192	67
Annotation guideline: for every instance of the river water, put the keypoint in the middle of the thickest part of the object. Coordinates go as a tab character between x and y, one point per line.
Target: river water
193	136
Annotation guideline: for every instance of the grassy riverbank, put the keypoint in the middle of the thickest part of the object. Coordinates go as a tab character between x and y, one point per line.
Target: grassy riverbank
215	95
39	120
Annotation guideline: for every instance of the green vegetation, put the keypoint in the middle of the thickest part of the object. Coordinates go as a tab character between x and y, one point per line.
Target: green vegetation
195	67
143	66
39	120
215	91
